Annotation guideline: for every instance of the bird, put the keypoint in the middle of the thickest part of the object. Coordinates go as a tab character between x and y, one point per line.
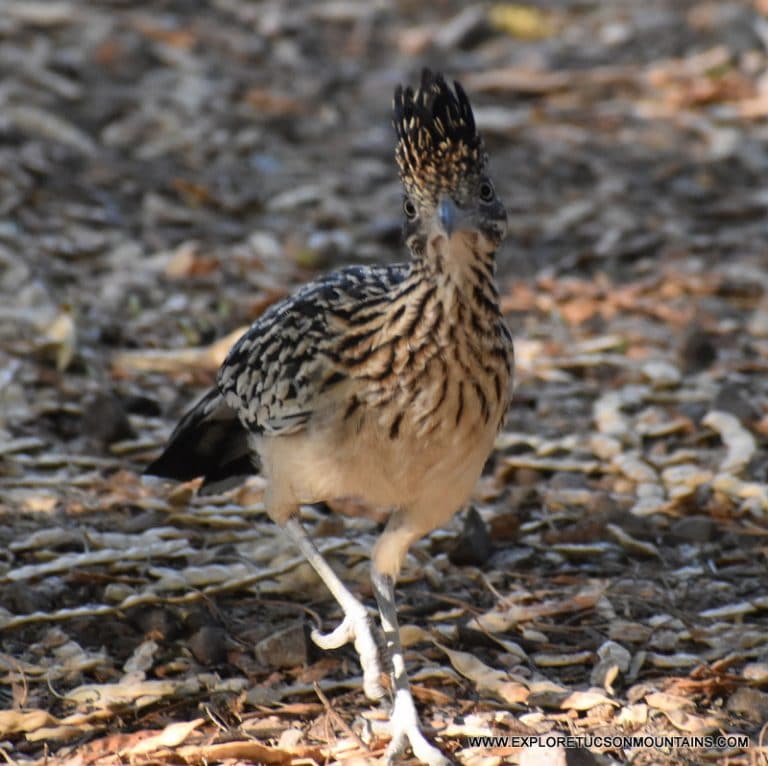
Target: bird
386	383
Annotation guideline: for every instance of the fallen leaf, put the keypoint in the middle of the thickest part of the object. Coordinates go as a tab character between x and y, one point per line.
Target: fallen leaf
487	680
524	21
171	736
586	700
739	443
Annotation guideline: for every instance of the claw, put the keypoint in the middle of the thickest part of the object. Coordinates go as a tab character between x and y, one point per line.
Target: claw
357	627
405	730
343	634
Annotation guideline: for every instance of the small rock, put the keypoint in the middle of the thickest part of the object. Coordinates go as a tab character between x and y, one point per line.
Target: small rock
285	648
209	645
664	640
693	529
750	703
616	652
568	480
698	350
505	526
156	622
473	546
757	672
105	419
613	660
661	374
733	399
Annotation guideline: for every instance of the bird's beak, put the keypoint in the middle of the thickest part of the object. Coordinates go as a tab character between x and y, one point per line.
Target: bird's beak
451	217
447	215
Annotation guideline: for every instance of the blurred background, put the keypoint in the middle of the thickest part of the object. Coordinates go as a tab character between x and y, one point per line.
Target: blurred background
170	169
167	166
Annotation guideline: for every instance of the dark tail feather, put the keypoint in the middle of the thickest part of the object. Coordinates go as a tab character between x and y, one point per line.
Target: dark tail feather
209	441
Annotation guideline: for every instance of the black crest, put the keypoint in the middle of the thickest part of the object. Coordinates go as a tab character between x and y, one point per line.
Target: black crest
437	140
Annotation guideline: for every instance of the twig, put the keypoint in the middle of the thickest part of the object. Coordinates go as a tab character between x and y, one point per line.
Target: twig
337	719
12	661
8	759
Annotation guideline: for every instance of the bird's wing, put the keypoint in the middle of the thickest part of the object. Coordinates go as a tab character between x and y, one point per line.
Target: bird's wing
209	441
283	369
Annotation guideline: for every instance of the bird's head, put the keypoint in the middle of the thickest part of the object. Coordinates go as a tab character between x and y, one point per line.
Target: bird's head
442	163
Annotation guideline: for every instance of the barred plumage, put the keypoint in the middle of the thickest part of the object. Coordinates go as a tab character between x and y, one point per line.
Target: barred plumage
387	383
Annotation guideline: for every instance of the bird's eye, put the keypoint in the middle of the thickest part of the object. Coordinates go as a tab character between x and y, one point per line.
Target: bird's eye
486	191
409	208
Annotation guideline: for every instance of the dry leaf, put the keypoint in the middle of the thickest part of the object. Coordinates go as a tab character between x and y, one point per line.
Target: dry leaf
545	660
171	736
666	702
523	21
178	361
61	336
500	619
130	690
586	700
694	724
487	680
739	442
143	657
250	752
13	721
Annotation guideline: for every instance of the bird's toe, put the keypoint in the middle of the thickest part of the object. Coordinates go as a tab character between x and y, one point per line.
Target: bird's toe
357	628
406	730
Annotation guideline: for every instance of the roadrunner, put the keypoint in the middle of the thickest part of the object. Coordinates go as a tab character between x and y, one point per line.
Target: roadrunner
384	383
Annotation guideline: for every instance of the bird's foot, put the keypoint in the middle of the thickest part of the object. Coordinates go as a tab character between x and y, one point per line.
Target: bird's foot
356	627
405	730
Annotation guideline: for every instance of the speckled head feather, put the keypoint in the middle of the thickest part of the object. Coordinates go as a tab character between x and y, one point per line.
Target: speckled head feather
438	146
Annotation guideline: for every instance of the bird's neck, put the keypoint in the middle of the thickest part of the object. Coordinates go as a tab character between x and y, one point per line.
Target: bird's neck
462	273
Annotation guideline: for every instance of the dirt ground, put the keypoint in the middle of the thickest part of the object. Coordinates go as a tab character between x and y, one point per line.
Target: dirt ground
169	169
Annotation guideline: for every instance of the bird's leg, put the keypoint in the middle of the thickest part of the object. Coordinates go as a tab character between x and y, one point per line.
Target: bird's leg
404	720
355	626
